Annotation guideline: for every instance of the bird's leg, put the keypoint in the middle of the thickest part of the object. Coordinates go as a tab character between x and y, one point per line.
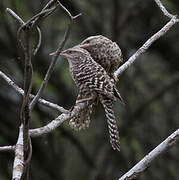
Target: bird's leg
116	79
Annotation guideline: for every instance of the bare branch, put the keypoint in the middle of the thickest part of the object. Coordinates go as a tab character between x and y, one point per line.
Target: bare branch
47	10
39	41
150	41
33	21
22	23
15	16
68	12
50	4
42	101
58	121
55	123
53	62
18	165
25	111
164	10
145	46
7	148
147	160
47	77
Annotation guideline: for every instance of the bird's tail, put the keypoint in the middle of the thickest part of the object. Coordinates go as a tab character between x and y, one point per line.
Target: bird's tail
82	120
112	125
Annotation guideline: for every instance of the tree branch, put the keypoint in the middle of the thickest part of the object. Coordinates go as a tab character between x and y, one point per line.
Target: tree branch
150	41
145	46
173	138
58	121
148	159
39	41
55	57
25	110
164	10
42	101
7	148
68	12
22	23
15	16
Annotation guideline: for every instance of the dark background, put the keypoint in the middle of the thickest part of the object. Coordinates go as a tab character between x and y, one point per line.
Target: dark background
150	89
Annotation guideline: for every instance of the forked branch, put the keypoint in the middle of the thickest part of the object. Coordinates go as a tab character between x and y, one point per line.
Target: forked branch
41	101
54	58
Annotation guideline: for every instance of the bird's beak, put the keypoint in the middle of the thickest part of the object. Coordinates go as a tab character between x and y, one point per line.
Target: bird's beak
64	54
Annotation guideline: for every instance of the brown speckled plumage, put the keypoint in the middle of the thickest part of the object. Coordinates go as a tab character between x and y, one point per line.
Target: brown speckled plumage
92	77
104	52
109	56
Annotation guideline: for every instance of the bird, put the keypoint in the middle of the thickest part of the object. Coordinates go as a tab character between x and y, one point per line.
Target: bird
91	77
106	53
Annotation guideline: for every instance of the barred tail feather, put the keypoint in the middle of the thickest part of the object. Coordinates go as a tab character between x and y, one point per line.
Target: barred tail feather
82	120
112	126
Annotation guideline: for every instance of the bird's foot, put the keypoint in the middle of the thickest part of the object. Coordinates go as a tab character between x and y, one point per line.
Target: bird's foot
116	79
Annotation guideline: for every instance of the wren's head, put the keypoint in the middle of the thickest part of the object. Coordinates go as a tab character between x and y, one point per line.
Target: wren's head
76	56
101	45
104	51
73	53
94	41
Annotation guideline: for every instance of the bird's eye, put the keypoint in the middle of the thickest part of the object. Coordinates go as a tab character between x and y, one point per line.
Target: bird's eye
69	52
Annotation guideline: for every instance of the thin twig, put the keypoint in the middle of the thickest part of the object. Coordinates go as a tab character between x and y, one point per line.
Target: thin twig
49	4
68	12
15	16
31	22
53	62
148	159
46	11
22	23
164	10
7	148
47	76
42	101
39	41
